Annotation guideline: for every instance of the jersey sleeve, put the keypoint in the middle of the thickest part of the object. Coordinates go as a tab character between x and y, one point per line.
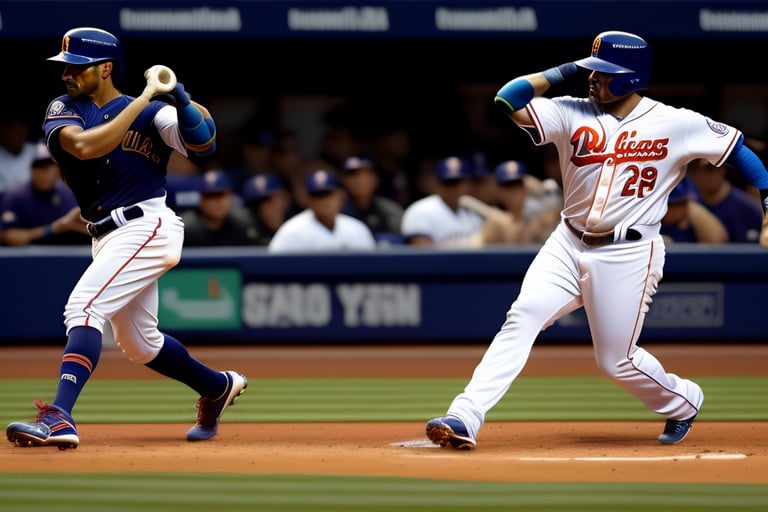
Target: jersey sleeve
166	121
549	118
716	140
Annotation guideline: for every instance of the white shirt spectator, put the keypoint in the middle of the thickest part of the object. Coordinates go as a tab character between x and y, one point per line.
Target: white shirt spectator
439	219
304	232
322	226
431	217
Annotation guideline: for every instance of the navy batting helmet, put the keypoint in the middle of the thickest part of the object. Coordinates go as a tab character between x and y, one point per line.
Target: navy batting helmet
87	45
624	56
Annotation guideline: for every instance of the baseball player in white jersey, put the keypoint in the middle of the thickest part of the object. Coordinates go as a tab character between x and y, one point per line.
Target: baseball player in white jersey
439	219
113	151
322	226
620	156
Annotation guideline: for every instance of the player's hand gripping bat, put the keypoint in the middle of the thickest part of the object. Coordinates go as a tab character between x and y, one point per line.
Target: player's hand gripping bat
160	78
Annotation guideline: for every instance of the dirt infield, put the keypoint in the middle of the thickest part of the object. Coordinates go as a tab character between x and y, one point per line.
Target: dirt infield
508	451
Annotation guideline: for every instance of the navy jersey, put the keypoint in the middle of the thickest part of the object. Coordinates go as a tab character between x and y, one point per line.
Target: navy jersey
26	208
741	215
132	172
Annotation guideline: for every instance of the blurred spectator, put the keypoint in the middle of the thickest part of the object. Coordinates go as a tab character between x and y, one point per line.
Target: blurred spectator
219	219
382	215
255	156
16	150
484	184
269	203
544	193
322	226
183	192
738	210
438	219
687	220
516	225
44	210
286	160
389	146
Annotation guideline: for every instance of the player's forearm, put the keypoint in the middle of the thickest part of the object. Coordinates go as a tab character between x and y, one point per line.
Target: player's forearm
196	126
517	93
100	140
18	237
708	228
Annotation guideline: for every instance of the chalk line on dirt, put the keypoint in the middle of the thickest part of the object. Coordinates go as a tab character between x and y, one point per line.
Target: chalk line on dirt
426	443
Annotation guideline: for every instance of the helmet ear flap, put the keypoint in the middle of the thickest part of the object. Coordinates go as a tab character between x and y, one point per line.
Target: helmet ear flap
623	84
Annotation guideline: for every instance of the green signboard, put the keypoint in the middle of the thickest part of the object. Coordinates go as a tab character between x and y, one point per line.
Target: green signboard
200	299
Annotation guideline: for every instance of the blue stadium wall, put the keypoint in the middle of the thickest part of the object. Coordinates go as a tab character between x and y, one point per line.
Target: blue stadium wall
394	295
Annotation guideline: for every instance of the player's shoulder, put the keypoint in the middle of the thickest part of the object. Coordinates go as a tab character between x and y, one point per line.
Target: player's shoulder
63	107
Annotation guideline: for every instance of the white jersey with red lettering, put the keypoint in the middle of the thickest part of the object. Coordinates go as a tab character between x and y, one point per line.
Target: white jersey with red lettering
619	172
617	175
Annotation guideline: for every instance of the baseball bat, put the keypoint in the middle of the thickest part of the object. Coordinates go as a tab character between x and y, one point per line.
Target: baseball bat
161	77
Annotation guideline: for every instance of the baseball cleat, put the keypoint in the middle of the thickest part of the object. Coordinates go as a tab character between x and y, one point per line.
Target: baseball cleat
209	410
52	427
676	430
449	431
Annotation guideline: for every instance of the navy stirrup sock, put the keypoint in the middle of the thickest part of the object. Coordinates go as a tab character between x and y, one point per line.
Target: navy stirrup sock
174	361
81	355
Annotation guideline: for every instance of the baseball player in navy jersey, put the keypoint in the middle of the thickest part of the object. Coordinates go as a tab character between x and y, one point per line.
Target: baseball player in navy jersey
621	154
113	150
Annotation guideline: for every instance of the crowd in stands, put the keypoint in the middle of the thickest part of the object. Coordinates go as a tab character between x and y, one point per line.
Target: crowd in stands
269	196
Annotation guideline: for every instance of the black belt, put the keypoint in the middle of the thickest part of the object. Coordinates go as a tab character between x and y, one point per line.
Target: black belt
108	224
598	239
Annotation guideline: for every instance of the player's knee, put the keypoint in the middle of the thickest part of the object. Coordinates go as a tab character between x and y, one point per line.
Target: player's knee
171	260
615	369
140	350
75	315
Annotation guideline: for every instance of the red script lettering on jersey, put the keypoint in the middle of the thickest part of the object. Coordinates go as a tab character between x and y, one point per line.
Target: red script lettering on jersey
628	149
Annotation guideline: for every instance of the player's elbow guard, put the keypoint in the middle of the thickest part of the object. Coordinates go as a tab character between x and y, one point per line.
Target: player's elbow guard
197	132
515	95
212	148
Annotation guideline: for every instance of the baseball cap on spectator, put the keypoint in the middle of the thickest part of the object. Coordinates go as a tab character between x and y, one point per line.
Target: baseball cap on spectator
685	190
261	186
510	171
215	182
479	164
42	155
321	181
453	168
353	163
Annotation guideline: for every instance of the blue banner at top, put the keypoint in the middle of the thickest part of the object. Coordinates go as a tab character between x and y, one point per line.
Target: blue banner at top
405	19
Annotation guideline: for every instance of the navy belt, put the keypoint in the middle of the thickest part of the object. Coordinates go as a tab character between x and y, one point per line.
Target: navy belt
108	224
596	240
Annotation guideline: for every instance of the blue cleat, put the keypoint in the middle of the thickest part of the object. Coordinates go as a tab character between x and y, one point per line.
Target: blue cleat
676	430
52	427
209	410
450	431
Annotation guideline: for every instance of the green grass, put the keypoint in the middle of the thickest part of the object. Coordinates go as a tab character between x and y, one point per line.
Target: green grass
169	492
298	400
